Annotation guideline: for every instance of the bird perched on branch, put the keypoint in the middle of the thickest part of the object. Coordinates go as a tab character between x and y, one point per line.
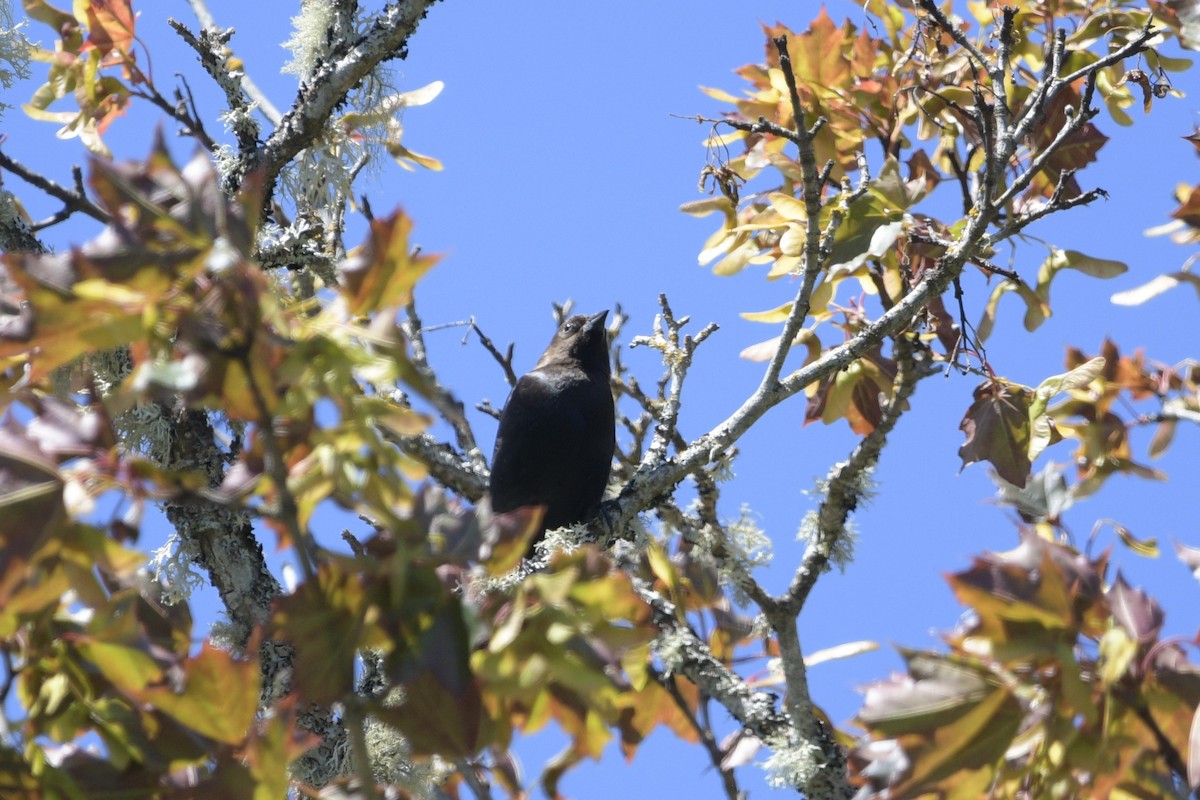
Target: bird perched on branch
557	432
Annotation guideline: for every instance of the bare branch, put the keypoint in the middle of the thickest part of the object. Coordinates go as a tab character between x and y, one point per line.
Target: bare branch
211	47
683	652
262	103
677	356
449	406
704	732
74	200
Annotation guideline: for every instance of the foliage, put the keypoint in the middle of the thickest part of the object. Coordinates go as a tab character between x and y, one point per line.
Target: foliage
305	363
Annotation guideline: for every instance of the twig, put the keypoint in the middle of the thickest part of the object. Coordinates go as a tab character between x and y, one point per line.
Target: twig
386	38
211	47
178	111
677	356
812	183
845	485
682	651
449	406
504	360
704	732
930	7
72	200
262	103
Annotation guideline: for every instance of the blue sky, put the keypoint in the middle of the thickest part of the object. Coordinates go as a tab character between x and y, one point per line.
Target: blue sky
564	172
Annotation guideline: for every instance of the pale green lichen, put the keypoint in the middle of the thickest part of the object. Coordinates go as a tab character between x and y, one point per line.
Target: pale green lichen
841	550
174	567
307	42
14	51
793	767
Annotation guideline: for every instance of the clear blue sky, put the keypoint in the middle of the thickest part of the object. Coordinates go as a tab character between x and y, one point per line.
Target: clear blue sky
564	172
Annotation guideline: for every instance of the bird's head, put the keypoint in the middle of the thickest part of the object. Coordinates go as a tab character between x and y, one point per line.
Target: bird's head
579	340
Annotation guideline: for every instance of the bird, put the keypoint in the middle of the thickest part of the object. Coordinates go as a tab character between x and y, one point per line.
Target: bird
557	434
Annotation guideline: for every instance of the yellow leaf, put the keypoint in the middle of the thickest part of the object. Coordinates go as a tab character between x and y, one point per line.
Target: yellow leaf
1116	650
788	207
778	314
218	698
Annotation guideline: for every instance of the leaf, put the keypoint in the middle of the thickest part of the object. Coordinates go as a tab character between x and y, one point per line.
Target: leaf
31	501
1045	496
1155	287
1075	152
709	205
443	707
1147	547
998	431
1036	310
403	155
126	667
506	538
381	273
324	620
839	652
736	259
788	206
765	351
1138	613
42	11
219	695
1116	651
1058	260
1044	431
1077	378
778	314
110	26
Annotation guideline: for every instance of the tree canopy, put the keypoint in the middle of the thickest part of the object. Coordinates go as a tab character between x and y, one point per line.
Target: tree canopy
226	350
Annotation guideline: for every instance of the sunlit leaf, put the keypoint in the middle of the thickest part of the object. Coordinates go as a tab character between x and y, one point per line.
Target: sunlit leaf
218	697
1116	651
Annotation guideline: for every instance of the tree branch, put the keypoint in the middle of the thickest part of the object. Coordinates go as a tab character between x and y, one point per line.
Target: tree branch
387	38
73	200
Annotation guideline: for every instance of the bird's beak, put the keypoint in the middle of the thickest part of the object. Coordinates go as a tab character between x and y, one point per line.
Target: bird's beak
595	319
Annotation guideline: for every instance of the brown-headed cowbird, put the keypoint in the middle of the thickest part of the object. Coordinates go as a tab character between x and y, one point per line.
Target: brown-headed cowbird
557	432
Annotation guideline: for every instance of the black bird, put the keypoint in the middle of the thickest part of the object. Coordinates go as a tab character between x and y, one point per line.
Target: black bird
557	431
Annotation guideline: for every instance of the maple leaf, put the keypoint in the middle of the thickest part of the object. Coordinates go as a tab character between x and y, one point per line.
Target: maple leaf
997	429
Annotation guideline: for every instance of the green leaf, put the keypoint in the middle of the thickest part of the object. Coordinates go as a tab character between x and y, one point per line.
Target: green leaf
1058	260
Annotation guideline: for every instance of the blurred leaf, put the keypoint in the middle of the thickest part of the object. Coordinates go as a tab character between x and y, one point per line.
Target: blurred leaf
110	25
1143	547
1137	612
839	652
218	697
381	273
1117	650
1154	287
1190	557
31	501
442	707
324	620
